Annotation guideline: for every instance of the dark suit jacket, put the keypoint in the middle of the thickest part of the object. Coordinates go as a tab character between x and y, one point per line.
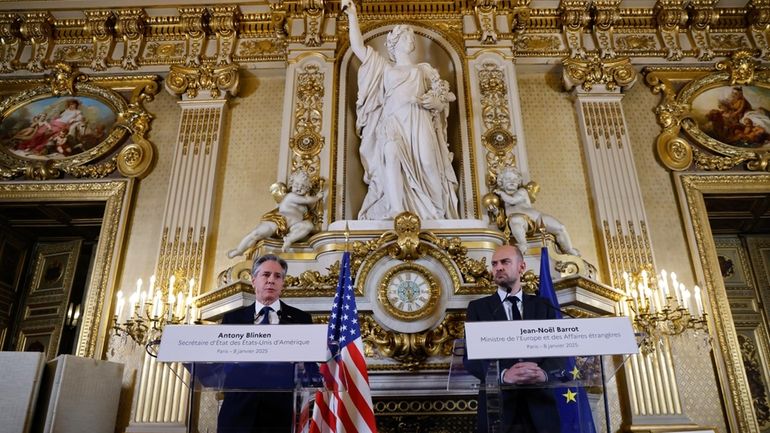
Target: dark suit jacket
253	410
539	402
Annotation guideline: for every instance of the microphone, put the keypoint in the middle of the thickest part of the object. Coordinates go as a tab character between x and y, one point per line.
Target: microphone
548	304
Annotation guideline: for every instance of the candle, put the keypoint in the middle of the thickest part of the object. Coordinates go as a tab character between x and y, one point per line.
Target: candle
193	315
664	280
645	281
654	304
143	300
156	305
131	303
138	288
628	284
662	295
119	309
698	301
180	304
677	289
192	285
636	300
642	296
686	298
171	282
170	302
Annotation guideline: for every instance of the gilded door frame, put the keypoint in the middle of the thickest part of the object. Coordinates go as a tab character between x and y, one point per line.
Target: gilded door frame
691	188
116	195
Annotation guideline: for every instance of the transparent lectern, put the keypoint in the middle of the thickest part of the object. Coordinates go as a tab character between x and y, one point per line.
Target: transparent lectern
249	396
237	379
575	388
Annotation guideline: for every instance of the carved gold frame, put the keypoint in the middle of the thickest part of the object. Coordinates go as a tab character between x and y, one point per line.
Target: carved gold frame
729	364
427	309
116	195
682	144
132	157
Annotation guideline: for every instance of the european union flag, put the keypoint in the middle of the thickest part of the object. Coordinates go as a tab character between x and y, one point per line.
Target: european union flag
574	410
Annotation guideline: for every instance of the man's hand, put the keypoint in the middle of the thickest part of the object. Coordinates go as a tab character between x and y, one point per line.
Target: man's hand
524	373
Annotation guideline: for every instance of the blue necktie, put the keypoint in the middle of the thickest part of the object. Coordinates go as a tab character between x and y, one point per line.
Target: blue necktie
265	313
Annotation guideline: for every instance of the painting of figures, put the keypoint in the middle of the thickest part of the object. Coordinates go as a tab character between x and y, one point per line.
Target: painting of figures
735	115
56	127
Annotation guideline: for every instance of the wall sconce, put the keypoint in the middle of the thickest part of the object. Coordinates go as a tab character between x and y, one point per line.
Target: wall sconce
662	306
151	310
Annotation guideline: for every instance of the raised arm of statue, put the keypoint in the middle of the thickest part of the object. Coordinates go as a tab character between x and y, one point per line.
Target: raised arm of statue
354	32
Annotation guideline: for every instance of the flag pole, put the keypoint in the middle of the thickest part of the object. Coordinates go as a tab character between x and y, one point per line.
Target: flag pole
347	237
541	230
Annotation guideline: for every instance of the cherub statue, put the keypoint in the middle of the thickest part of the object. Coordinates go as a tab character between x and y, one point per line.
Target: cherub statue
522	217
292	220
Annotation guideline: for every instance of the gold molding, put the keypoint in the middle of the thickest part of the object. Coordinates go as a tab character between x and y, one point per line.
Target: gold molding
133	158
730	368
101	38
307	142
116	194
411	350
426	310
681	143
587	73
190	80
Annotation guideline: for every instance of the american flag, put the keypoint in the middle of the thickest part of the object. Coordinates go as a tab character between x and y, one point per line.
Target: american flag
346	404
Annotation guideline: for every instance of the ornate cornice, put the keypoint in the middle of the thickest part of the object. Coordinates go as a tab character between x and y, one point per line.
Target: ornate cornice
130	38
191	80
612	73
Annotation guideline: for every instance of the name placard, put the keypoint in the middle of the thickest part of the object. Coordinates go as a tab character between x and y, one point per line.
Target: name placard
243	343
550	338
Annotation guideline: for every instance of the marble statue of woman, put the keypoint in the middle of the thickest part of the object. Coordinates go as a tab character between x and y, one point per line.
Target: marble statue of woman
401	116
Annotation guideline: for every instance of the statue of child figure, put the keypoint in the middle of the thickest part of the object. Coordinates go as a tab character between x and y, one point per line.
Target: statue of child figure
522	217
292	220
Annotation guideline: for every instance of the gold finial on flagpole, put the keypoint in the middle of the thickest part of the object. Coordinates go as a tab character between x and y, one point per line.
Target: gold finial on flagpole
347	237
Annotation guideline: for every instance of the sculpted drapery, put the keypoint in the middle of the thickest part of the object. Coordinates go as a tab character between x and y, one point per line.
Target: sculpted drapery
401	111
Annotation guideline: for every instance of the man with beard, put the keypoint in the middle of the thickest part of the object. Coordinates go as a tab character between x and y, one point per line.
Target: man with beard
532	410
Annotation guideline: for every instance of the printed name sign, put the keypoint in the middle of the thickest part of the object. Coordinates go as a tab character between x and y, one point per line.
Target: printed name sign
550	338
243	343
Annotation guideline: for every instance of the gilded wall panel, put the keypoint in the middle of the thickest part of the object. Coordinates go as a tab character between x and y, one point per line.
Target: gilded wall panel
555	158
143	238
759	254
697	383
252	137
660	203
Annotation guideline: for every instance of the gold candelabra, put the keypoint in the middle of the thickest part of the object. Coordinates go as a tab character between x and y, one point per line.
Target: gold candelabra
149	311
662	306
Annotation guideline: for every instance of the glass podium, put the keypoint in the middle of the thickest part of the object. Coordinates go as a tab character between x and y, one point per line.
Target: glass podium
252	396
573	396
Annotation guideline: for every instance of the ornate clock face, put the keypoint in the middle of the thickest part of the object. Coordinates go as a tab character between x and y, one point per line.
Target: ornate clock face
409	292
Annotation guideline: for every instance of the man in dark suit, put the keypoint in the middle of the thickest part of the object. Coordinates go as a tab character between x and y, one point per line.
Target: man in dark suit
261	411
532	410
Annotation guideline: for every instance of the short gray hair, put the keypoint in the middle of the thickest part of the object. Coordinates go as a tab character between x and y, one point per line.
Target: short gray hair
268	258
